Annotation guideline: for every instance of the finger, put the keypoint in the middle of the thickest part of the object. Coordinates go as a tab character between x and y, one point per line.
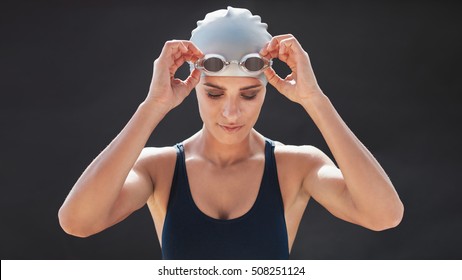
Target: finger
185	87
286	50
189	53
170	52
178	45
268	48
190	57
177	64
184	47
182	58
274	79
192	80
273	45
264	50
273	48
194	50
291	52
173	46
278	39
181	51
177	54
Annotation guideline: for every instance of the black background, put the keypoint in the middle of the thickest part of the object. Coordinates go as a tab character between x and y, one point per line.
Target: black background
73	73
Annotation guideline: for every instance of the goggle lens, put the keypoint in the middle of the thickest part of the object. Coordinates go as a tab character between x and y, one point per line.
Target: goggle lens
213	64
254	64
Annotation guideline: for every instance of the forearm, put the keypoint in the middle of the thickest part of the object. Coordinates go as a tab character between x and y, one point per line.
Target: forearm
368	185
97	189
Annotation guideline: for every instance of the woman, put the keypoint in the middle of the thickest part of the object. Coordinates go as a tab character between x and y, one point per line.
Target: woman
227	192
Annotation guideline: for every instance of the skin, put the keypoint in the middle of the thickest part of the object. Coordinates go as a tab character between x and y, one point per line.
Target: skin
228	152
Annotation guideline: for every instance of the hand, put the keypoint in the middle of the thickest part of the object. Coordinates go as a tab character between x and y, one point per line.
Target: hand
301	83
166	91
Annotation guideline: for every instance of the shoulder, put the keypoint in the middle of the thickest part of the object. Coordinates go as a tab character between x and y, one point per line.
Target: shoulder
154	159
156	153
300	162
303	154
297	165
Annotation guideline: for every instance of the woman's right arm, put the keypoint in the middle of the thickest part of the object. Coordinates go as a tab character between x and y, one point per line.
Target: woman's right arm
116	183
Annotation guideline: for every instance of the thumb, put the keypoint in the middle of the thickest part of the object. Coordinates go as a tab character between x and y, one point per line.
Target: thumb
274	79
192	80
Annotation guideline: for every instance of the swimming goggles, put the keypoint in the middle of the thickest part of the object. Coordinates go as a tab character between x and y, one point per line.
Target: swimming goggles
251	63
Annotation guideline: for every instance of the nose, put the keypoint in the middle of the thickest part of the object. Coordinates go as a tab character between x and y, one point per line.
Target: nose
231	109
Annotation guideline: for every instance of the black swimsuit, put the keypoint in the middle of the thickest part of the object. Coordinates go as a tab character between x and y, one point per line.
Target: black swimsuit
260	233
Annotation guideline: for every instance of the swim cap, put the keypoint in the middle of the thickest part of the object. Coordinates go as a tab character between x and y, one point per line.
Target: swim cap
232	33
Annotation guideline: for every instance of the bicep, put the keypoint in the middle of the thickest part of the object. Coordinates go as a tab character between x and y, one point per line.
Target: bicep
325	184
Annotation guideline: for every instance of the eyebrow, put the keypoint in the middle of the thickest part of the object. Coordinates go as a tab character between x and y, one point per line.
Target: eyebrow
222	88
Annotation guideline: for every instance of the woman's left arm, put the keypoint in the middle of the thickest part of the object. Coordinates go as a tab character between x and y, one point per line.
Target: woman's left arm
360	191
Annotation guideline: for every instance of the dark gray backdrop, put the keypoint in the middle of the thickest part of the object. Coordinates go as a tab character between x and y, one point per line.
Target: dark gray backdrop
73	73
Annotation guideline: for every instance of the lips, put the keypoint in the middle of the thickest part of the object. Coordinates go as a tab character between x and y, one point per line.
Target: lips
231	128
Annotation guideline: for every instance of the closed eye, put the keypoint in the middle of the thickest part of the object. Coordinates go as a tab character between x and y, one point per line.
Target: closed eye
248	96
214	95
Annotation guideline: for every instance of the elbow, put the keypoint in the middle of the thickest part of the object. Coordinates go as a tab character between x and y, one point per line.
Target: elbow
388	221
71	226
396	216
385	225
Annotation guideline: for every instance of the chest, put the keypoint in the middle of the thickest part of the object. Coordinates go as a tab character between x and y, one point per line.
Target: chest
225	192
245	216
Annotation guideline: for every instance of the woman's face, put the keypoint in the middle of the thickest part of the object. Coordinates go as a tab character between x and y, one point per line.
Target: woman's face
230	106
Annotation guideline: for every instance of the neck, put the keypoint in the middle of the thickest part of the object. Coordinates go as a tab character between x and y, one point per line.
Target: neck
223	154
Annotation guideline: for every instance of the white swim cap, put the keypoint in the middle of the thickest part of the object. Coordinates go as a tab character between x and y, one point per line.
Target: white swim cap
232	33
